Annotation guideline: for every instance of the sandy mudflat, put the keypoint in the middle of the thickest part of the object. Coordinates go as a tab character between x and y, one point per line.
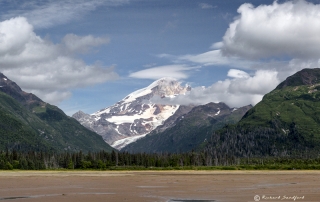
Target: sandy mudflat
91	186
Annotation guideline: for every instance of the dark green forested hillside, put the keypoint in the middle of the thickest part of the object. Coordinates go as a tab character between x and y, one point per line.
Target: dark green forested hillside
190	130
15	130
28	123
285	122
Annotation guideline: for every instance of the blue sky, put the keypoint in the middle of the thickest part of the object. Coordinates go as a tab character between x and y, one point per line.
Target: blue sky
87	55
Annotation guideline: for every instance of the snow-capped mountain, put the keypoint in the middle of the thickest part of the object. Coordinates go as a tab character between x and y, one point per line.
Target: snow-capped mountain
134	116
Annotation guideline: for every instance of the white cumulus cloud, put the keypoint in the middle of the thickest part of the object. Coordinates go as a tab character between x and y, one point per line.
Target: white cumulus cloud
290	29
217	45
49	70
235	73
13	41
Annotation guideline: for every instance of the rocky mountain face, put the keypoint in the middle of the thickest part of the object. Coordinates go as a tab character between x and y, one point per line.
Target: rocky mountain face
12	89
27	123
187	130
303	77
134	116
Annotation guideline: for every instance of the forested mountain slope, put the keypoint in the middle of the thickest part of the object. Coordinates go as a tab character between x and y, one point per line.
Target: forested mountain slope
28	123
285	122
189	130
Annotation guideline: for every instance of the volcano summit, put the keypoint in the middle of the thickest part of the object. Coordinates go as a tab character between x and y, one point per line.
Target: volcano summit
134	116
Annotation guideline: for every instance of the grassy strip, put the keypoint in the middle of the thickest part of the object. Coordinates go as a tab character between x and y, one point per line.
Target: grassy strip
238	167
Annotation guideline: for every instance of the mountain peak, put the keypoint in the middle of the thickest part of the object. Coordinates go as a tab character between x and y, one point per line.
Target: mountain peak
167	87
164	87
134	116
79	115
303	77
163	81
11	88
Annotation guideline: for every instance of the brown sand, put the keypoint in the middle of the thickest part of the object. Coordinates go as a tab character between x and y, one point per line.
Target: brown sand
91	186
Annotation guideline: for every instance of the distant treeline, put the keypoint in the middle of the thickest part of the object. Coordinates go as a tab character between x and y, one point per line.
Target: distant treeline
123	160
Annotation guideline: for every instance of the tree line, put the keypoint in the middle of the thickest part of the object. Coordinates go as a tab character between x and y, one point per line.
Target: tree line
34	160
103	160
234	142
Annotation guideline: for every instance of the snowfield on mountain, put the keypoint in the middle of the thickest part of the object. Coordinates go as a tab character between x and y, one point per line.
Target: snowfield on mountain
134	116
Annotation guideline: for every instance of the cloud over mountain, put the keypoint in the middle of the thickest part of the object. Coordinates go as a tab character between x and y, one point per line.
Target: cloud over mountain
47	69
273	41
175	71
239	90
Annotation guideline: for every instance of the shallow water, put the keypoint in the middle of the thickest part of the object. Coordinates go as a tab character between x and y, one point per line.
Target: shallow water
11	198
